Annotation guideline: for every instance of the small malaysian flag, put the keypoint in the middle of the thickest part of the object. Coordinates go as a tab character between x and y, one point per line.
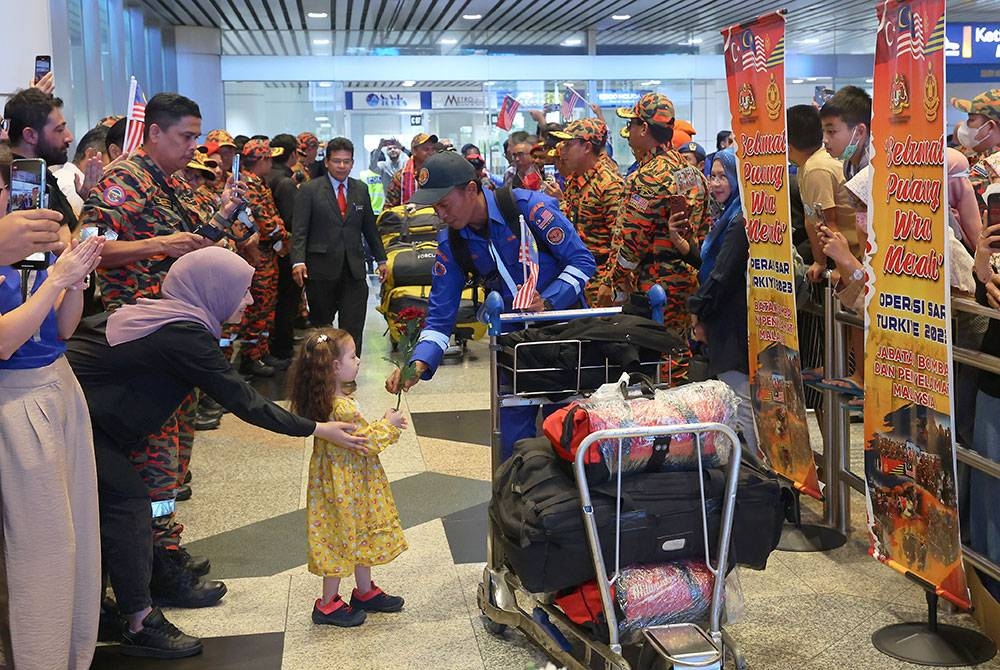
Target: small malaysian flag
136	118
528	255
570	100
508	109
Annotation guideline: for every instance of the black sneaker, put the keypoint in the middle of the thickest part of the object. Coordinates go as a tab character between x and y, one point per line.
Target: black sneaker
199	565
159	639
187	476
207	421
112	624
277	363
342	615
256	368
173	585
376	600
183	493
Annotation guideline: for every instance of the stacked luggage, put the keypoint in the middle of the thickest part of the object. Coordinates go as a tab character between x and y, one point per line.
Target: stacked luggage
660	524
410	241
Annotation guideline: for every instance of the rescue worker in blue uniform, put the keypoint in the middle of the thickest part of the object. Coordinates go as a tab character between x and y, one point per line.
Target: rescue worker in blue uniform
449	183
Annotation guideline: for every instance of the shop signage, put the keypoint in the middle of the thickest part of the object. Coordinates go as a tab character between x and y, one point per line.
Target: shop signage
909	431
972	43
617	98
416	119
458	100
401	100
755	73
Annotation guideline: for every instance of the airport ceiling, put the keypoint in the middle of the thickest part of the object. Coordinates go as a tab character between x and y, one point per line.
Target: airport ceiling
388	27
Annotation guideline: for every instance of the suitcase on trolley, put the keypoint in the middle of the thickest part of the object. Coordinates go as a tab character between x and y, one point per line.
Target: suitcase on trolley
467	326
409	264
536	510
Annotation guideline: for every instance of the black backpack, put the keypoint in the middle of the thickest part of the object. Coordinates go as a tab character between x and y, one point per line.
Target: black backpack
511	215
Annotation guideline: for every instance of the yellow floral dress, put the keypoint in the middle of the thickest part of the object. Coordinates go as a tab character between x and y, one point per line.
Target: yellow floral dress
351	515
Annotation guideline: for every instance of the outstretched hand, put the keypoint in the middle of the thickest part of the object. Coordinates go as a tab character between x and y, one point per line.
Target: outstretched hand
342	434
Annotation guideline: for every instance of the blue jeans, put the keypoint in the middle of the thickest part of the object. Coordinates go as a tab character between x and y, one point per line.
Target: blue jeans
984	490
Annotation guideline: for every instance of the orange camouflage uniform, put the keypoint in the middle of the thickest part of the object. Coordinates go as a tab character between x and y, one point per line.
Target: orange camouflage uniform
258	319
591	202
131	200
645	256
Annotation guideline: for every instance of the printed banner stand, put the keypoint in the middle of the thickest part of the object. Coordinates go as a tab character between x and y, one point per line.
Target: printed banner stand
909	429
755	75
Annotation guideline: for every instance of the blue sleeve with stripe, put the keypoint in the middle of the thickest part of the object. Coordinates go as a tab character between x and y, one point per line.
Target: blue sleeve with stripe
447	282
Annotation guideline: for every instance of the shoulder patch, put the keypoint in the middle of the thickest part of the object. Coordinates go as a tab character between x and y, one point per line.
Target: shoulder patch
543	217
638	203
439	269
556	236
687	179
114	196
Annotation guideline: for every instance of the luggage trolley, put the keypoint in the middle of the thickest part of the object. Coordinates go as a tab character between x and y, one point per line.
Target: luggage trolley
505	603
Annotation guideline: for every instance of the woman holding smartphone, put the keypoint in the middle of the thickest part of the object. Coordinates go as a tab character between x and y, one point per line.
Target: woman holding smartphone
48	485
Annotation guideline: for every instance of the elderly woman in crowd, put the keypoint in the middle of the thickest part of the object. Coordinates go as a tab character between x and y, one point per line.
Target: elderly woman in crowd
136	366
51	563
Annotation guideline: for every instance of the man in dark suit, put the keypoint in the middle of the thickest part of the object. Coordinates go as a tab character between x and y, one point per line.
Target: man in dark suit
331	214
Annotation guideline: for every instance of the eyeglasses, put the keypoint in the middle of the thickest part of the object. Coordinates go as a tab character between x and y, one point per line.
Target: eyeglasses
5	125
717	177
342	161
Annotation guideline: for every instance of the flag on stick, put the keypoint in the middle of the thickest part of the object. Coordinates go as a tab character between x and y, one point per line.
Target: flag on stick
509	107
570	100
136	118
528	255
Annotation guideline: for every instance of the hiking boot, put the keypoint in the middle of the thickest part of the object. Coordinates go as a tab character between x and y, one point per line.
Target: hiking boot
174	585
337	613
256	368
159	639
183	493
376	600
199	565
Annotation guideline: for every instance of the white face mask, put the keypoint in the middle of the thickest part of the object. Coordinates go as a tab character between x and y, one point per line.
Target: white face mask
968	137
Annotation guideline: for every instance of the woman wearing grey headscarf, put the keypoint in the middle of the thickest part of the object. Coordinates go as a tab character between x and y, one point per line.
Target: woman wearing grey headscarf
135	367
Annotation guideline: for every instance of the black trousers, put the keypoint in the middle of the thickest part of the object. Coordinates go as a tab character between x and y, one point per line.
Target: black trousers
126	524
285	310
345	298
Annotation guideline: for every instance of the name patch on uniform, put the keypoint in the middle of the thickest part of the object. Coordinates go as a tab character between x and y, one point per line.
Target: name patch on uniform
555	236
439	269
638	202
114	196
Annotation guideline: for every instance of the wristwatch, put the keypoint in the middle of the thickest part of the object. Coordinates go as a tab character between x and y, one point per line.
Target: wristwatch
858	274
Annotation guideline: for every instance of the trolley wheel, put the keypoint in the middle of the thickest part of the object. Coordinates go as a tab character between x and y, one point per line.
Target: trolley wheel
494	628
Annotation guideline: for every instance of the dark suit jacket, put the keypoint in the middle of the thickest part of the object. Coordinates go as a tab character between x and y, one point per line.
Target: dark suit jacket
327	242
284	192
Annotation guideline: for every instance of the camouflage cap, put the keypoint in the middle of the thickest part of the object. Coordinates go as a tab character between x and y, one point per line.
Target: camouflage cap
986	103
203	164
422	138
655	109
591	130
307	141
221	138
255	150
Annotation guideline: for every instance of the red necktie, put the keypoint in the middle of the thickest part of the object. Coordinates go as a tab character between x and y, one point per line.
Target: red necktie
341	200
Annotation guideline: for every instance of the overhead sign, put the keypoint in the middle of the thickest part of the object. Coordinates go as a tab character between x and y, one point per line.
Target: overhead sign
972	43
389	100
458	100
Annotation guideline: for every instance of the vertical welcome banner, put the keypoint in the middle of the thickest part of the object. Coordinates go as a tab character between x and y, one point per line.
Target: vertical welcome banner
755	72
909	454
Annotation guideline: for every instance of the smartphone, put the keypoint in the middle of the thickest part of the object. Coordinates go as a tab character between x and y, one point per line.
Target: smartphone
93	231
236	168
678	203
992	215
27	191
821	94
43	65
550	172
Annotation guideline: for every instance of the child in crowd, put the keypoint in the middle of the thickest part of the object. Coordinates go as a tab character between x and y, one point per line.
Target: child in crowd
351	516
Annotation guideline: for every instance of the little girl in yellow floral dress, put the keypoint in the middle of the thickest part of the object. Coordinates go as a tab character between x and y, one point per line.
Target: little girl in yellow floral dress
352	521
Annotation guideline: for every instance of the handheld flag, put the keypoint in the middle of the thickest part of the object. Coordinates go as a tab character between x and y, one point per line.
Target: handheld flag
570	100
505	119
136	118
528	255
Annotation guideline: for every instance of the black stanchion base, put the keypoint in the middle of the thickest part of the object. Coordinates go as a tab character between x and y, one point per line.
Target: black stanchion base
807	537
947	646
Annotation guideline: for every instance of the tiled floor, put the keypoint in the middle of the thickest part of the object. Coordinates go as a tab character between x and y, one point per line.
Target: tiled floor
813	611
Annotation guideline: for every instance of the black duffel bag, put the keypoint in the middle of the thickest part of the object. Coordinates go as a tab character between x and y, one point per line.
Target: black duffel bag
537	515
410	264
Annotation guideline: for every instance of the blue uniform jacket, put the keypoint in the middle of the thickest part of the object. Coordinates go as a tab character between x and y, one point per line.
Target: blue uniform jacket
564	269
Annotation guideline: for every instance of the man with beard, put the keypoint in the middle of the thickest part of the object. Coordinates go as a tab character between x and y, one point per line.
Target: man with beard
154	215
38	130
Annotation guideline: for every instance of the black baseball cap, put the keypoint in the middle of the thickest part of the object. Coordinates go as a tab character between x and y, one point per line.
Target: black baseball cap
440	174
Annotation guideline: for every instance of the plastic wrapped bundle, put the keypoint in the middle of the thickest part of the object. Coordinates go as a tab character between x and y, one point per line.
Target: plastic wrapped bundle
656	595
703	402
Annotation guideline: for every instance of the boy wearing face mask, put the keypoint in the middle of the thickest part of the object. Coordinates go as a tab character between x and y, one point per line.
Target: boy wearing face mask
980	134
846	119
